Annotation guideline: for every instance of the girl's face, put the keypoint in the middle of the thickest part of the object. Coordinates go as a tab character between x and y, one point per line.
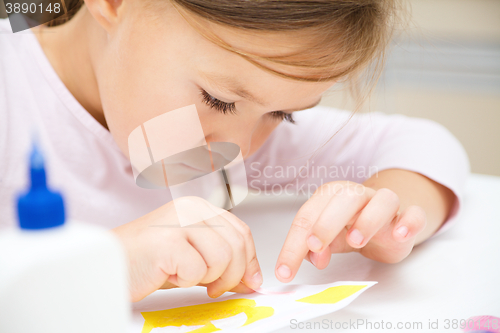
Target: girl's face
153	62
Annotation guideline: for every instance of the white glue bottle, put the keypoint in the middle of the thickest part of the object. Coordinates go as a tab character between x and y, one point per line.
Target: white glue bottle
58	276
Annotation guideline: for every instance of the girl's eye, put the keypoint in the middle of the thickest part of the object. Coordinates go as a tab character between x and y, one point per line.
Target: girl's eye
283	116
226	108
216	104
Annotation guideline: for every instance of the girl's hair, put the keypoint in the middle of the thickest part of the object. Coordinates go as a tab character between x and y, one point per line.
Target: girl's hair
71	7
346	39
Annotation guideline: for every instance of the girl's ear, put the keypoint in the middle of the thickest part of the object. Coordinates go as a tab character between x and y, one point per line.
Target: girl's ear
105	12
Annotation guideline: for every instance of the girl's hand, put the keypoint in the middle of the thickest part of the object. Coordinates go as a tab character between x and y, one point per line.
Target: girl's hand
218	253
344	216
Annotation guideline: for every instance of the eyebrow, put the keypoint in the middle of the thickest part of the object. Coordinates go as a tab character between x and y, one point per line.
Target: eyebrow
230	84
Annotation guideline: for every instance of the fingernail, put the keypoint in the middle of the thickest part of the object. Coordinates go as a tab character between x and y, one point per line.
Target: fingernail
402	231
216	295
314	243
314	257
284	271
356	237
257	278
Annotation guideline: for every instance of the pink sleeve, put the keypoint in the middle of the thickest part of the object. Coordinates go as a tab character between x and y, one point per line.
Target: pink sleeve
327	144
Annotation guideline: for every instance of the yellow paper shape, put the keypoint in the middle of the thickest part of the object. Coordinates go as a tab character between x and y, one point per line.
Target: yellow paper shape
332	294
203	314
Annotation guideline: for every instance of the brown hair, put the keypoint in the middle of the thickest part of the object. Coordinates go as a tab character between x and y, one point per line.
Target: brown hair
346	38
344	35
70	8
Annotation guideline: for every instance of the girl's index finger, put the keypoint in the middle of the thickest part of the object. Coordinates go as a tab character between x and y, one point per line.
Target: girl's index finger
341	209
295	247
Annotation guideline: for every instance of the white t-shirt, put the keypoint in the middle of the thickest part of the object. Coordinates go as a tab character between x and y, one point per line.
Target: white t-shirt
85	164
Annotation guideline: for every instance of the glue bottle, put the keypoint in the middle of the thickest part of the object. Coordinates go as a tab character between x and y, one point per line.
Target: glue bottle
59	276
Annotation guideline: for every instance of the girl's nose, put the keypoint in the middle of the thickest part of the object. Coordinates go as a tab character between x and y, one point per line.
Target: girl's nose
242	142
245	134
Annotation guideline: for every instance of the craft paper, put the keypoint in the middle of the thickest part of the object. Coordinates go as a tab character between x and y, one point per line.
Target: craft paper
258	312
332	295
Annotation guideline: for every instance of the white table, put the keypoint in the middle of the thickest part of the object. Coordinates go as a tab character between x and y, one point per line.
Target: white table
455	275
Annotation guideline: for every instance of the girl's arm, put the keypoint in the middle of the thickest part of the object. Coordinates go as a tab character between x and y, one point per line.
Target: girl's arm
373	149
383	183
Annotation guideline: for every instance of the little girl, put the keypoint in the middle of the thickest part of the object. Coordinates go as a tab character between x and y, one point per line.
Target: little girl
248	66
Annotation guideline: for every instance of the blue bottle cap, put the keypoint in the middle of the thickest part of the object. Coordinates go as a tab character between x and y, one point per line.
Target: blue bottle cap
39	208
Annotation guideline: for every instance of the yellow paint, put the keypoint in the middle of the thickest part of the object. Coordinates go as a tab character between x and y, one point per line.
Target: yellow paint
203	314
332	294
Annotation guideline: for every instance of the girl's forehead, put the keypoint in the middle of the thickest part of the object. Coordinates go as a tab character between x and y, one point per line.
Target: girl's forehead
207	57
264	43
287	53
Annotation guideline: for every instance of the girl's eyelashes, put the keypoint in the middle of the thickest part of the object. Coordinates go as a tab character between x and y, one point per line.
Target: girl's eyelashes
283	116
226	108
217	104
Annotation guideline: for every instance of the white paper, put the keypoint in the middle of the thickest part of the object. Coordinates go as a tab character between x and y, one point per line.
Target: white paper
272	309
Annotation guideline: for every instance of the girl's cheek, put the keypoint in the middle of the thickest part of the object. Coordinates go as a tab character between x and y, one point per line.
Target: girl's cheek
261	133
